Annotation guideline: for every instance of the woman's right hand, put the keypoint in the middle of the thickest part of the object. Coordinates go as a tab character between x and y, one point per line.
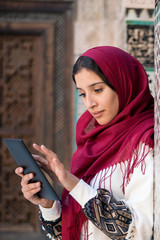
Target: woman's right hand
30	190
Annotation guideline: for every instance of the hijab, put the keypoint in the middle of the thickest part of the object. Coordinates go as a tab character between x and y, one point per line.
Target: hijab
104	146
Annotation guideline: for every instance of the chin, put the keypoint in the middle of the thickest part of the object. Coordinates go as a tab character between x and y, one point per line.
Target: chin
103	121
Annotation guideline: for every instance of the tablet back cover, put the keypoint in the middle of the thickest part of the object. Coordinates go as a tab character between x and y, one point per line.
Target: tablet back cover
24	159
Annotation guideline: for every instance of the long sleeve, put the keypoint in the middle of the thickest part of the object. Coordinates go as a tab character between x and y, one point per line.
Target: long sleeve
110	216
111	213
139	198
137	201
51	220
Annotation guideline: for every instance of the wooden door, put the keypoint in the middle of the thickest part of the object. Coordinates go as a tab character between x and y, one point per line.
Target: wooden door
34	107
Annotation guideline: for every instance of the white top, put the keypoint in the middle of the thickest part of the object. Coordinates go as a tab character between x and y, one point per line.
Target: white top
138	197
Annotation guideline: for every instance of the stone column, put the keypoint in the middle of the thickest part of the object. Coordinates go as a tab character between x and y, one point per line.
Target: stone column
157	124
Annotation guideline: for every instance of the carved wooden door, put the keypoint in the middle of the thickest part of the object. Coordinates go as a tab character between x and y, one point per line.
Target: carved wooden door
33	106
23	106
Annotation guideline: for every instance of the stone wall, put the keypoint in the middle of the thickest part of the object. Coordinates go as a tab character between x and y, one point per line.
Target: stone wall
97	23
121	23
139	3
128	24
157	123
140	34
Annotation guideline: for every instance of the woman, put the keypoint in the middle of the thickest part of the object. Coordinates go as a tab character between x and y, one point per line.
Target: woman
108	193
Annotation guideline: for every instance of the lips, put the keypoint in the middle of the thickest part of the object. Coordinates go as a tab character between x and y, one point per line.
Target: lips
97	114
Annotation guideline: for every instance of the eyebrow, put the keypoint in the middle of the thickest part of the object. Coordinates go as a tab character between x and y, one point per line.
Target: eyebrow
92	85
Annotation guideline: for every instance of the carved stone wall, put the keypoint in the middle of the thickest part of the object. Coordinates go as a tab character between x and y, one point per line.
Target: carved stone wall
97	23
133	27
139	19
138	3
128	24
140	40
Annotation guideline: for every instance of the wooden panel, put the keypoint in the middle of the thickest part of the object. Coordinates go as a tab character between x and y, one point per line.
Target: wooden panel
36	5
44	86
26	87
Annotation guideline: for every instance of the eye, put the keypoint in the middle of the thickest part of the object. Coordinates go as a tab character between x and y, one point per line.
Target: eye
82	95
98	90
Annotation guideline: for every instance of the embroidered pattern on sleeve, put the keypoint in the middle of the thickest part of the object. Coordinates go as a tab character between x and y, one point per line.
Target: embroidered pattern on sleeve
110	216
54	228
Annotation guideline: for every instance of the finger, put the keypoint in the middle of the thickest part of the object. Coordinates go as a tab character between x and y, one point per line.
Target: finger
38	148
30	186
45	151
19	171
30	194
26	178
40	159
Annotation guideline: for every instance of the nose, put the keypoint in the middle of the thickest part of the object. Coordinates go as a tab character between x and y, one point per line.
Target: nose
90	102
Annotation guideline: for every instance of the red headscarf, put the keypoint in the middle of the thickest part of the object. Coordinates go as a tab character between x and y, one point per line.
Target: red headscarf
100	147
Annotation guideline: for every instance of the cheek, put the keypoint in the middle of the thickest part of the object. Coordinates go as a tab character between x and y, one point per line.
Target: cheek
111	104
83	102
116	104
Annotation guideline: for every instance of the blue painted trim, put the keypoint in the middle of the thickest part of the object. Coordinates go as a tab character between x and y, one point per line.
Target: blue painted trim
149	69
135	22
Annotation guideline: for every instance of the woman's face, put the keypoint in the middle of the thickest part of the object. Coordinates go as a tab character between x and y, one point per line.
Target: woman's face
99	99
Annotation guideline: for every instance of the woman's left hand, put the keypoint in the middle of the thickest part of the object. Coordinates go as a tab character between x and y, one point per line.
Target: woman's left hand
55	168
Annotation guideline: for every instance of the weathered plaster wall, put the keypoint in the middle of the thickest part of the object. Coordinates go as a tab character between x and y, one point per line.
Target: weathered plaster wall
96	24
157	123
127	24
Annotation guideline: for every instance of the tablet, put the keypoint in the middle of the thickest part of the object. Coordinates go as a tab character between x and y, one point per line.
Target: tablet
24	159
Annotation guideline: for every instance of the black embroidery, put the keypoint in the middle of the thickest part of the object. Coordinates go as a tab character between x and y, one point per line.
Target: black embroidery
110	216
54	228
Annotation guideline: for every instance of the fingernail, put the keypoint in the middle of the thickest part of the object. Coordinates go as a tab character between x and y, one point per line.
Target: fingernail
38	184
